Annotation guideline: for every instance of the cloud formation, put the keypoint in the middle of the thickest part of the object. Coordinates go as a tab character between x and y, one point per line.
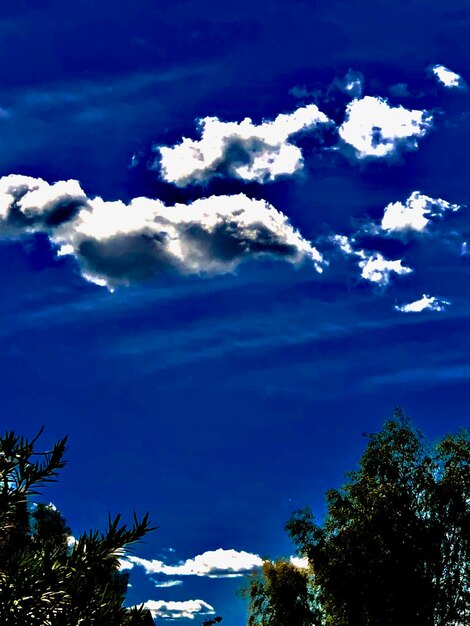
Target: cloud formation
168	583
415	214
115	243
240	150
213	564
447	77
377	130
377	269
187	609
374	266
352	83
426	303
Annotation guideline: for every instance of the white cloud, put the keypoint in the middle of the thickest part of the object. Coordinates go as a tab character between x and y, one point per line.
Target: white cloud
300	562
116	243
240	149
377	269
374	267
214	564
168	583
376	129
415	213
187	609
426	303
447	77
345	244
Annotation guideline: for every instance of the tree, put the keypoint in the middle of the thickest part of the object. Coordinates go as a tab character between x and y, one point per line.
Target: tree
279	595
394	547
46	579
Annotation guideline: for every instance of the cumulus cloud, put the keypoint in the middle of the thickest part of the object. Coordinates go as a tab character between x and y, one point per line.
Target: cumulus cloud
447	77
116	243
415	214
240	150
426	303
377	130
213	564
377	269
187	609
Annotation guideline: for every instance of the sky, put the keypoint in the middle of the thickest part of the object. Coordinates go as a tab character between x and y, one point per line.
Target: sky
232	239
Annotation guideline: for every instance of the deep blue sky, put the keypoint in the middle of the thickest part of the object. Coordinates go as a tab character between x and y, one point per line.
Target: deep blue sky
221	403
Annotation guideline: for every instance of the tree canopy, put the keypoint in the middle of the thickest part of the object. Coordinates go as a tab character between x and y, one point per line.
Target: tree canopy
47	578
394	546
279	595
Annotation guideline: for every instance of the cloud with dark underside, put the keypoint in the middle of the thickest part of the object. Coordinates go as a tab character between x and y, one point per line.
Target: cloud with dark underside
115	243
241	150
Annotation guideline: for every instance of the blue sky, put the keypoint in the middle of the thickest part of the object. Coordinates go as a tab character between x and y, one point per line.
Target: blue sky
220	307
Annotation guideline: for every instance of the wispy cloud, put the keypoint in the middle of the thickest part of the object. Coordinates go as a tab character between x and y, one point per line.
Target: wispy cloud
377	269
167	583
374	267
426	303
243	150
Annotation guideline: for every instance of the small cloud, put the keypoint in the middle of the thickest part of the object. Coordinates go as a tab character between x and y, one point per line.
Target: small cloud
374	267
345	244
352	83
125	564
168	583
300	562
240	150
426	303
377	130
447	78
377	269
415	214
213	564
187	609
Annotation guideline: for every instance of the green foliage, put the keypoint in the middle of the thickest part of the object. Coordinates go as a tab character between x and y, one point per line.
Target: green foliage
279	596
395	545
44	581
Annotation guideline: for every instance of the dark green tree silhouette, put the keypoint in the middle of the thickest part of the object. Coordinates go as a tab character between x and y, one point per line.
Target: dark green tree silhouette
394	547
45	580
279	595
212	622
